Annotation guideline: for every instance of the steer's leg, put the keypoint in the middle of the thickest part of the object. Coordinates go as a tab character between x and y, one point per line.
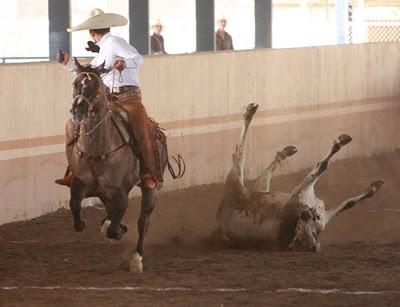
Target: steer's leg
303	199
263	182
77	194
235	179
351	202
148	202
322	166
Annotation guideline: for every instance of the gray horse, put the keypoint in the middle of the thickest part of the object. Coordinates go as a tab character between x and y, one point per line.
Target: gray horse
100	152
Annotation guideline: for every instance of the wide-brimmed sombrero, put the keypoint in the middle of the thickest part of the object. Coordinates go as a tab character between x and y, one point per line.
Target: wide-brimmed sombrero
221	18
100	20
155	22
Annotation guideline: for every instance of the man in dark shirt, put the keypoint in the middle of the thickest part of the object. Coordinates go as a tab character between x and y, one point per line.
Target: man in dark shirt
156	40
223	40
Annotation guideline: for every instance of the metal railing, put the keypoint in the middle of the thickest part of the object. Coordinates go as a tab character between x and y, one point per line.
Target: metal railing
18	59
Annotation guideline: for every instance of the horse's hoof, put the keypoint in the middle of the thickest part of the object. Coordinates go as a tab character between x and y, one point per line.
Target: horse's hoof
103	229
114	235
81	226
124	227
136	264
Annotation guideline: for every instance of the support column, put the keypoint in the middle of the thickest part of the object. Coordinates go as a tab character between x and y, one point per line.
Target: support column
205	36
359	29
139	25
263	23
59	38
342	17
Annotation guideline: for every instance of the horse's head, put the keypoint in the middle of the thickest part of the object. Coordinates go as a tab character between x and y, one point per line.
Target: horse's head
86	89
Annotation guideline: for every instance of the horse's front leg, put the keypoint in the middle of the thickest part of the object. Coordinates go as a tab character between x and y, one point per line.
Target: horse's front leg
148	202
117	206
77	194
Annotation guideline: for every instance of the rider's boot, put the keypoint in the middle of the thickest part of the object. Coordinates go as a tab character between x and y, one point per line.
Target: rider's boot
67	179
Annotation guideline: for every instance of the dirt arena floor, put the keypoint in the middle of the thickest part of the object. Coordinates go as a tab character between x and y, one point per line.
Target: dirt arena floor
43	262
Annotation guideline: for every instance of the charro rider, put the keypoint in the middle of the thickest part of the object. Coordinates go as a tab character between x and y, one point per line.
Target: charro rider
123	81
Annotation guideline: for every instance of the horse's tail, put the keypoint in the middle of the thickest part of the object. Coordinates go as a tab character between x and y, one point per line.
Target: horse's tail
180	162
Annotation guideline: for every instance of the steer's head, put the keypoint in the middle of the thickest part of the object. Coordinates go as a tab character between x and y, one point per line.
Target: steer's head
305	237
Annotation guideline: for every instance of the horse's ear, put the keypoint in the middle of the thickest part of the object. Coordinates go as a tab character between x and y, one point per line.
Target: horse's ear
78	65
101	68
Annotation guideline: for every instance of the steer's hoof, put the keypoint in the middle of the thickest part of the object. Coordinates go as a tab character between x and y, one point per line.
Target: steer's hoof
287	152
373	188
136	264
317	248
80	226
344	139
251	109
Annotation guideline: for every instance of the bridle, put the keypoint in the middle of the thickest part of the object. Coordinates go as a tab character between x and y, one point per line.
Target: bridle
92	103
90	113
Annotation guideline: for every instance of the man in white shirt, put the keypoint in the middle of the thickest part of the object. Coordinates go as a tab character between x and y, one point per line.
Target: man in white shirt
113	49
122	79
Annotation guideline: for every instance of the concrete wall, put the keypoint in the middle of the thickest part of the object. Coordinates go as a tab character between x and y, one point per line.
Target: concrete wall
306	96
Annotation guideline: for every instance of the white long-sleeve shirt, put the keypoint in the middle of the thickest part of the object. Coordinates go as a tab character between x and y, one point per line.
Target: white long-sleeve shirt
113	48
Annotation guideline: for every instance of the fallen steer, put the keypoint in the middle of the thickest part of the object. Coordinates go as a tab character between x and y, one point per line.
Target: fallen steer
285	220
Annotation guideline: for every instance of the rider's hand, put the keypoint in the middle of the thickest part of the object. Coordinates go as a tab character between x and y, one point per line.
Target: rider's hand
63	57
119	65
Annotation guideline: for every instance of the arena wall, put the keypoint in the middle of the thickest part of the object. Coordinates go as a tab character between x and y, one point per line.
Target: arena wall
307	97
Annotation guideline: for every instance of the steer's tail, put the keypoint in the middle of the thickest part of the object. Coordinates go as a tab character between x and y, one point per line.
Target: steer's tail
181	165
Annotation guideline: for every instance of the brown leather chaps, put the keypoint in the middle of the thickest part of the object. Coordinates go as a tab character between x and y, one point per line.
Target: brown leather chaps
143	130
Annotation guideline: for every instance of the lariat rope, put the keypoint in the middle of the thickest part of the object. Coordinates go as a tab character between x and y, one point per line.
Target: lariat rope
179	160
120	78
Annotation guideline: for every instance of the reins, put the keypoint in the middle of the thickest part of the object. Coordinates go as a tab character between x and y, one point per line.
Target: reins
120	79
92	104
179	161
91	131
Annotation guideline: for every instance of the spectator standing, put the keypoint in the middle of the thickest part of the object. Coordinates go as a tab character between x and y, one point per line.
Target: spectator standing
156	40
223	39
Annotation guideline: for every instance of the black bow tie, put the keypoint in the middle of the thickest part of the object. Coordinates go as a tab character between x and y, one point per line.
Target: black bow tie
92	47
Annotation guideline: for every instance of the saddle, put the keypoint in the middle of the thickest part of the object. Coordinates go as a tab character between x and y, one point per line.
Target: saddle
120	119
